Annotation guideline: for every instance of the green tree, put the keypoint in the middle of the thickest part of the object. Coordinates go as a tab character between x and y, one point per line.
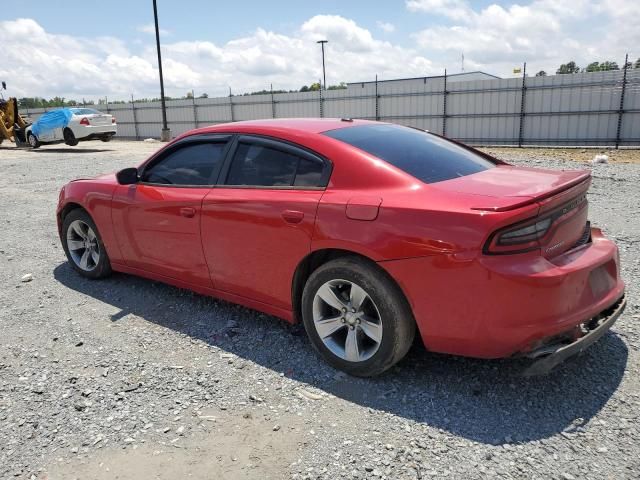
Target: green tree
340	86
204	95
637	64
568	68
605	66
541	73
593	67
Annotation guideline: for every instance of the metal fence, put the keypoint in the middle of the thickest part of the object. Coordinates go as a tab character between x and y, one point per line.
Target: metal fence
590	109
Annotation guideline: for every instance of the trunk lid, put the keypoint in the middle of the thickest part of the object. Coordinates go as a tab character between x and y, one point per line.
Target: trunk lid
559	194
99	119
507	187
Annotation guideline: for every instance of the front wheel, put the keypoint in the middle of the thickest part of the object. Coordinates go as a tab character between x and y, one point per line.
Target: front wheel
83	245
33	141
356	317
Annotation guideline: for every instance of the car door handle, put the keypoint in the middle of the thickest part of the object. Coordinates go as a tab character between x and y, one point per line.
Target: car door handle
188	212
292	216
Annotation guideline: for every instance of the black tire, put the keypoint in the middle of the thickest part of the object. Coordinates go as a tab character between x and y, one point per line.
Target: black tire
106	139
33	141
103	267
396	317
69	138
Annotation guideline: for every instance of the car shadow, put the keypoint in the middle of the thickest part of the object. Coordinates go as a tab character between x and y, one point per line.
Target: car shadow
44	149
486	401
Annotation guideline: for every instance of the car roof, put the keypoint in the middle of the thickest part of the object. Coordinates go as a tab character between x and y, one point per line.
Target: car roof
302	125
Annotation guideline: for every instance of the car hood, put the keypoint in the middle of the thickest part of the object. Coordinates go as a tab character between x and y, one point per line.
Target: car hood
104	178
506	187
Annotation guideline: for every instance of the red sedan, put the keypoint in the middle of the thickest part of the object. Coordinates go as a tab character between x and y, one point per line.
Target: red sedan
365	232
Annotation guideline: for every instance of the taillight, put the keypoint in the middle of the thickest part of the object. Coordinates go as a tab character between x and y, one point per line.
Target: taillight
113	119
84	121
520	237
528	235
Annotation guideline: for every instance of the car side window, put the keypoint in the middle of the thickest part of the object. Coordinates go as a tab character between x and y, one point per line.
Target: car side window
262	166
190	164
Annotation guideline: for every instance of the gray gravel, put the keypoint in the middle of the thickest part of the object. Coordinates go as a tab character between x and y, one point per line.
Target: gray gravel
129	378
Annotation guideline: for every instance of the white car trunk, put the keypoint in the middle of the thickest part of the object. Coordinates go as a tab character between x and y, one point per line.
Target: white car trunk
97	119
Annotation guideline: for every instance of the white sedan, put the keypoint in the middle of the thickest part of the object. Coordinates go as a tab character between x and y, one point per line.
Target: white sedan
71	125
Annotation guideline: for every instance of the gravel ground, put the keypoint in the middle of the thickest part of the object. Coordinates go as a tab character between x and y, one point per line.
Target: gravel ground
127	378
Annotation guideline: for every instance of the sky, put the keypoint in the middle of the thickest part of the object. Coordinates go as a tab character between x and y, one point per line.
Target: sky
89	49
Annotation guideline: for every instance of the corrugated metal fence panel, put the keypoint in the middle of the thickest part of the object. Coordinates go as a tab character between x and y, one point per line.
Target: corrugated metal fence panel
299	104
343	104
559	109
250	107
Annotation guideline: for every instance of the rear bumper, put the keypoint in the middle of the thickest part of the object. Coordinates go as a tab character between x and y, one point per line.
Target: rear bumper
93	132
499	306
553	354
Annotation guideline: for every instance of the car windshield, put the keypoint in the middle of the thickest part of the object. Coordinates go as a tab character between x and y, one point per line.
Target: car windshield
425	156
85	111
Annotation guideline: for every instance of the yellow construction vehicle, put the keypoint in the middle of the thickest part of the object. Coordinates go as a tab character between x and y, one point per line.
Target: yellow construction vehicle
12	124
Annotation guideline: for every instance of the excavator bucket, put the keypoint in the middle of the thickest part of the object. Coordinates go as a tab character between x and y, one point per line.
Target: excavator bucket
12	125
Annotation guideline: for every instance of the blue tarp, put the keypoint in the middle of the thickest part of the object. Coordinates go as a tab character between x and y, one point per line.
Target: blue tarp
51	120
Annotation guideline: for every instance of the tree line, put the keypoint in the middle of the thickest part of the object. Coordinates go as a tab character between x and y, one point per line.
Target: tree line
56	102
571	67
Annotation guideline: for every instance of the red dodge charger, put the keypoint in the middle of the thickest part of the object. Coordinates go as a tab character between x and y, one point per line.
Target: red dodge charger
366	232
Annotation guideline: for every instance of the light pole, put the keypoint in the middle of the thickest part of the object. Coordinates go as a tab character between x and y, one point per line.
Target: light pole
165	135
324	74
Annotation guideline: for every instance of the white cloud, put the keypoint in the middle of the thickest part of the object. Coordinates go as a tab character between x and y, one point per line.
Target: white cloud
386	26
495	38
38	63
454	9
150	29
544	33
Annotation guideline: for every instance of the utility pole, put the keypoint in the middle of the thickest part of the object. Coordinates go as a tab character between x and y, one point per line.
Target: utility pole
324	74
165	135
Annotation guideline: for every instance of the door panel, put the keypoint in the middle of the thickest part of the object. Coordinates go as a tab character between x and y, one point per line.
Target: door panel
254	238
158	230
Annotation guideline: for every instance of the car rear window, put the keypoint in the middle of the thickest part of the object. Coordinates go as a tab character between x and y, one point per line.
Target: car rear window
85	111
425	156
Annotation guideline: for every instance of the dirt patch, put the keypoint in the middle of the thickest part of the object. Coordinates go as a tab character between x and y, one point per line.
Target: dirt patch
236	447
581	155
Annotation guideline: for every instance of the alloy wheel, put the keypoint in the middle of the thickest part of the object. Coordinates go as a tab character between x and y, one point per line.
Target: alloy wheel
347	320
83	245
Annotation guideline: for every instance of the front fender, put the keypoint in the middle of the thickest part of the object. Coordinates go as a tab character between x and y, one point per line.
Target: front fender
95	197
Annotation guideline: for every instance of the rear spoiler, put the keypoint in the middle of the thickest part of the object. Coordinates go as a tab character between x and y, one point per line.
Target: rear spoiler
580	183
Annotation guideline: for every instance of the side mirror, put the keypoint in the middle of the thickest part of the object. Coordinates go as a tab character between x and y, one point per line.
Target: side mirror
128	176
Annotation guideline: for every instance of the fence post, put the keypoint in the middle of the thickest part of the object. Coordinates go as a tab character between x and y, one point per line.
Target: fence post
273	104
621	109
195	110
523	95
233	119
106	104
444	105
135	118
321	101
377	100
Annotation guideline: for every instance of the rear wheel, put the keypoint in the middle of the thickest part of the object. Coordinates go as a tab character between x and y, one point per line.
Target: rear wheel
69	138
83	245
33	141
106	139
357	317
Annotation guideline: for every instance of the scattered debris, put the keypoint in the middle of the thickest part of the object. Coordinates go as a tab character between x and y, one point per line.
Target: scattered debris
601	158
